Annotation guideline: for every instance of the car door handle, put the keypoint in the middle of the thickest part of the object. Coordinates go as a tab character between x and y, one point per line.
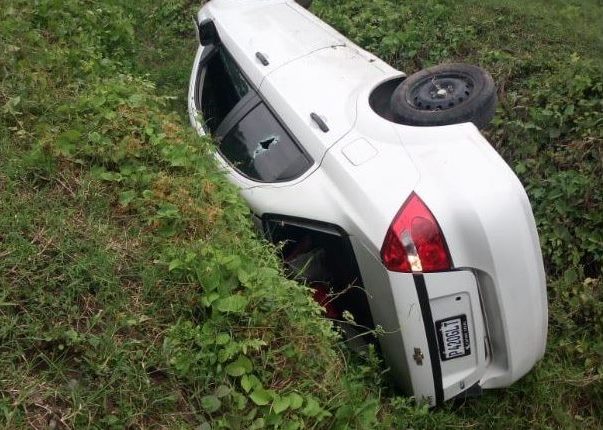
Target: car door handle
262	58
319	122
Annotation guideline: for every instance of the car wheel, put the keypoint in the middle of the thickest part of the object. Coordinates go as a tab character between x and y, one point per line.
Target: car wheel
445	94
304	3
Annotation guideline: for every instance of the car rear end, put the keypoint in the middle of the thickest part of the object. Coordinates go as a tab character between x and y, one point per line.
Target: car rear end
487	220
457	281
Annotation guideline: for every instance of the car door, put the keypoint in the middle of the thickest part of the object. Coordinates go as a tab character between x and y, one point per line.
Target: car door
252	143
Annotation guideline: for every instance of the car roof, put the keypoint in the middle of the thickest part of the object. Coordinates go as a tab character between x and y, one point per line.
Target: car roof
312	68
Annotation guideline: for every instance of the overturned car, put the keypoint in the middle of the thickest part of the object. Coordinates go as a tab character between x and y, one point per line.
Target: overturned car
385	195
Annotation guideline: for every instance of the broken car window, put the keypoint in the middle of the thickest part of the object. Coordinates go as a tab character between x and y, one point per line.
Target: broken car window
262	150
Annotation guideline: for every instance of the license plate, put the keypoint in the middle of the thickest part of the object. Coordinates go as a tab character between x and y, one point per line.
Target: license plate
453	337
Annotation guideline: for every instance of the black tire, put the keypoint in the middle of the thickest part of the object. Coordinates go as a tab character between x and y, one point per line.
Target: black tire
304	3
445	94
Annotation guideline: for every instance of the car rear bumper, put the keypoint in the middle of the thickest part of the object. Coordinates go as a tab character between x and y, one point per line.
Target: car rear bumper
411	309
422	301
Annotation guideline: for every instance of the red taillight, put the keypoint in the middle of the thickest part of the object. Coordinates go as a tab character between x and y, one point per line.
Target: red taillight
414	241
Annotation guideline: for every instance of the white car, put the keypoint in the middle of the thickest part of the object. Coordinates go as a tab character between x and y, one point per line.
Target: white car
387	196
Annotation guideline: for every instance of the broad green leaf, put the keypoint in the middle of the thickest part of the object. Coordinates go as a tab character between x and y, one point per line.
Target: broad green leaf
274	420
175	264
244	278
258	423
296	400
249	381
233	304
239	367
208	299
222	391
239	400
281	404
126	197
251	414
222	338
312	408
261	397
168	211
292	425
110	176
210	403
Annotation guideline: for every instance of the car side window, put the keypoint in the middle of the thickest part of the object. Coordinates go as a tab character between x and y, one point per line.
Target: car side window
223	86
261	149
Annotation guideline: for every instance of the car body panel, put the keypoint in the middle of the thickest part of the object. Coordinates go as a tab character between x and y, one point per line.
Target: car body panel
325	82
398	312
257	22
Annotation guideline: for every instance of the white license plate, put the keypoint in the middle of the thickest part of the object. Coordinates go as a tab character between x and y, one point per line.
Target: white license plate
453	337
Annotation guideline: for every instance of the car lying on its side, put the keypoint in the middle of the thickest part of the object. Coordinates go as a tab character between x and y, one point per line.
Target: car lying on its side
388	199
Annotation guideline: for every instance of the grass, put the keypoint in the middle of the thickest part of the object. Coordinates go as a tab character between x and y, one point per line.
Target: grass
133	291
